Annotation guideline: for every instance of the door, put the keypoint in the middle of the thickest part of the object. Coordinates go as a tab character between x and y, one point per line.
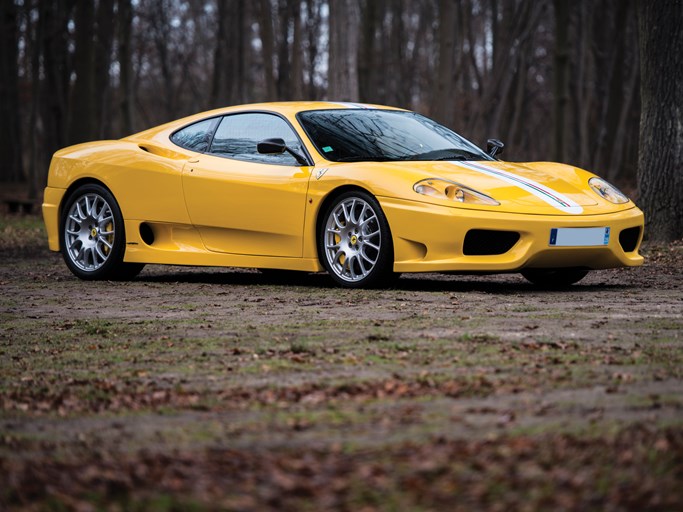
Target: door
244	202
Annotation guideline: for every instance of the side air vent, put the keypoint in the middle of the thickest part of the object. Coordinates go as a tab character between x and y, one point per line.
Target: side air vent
484	242
146	233
628	239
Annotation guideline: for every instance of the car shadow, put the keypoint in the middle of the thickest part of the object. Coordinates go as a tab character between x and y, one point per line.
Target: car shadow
414	283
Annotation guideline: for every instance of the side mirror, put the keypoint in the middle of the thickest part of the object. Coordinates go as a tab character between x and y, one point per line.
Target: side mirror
494	147
277	146
271	146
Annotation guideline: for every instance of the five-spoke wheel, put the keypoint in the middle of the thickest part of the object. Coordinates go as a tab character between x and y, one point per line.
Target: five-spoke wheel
92	235
355	242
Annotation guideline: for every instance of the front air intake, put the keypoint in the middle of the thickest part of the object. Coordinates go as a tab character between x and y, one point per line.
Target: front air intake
628	239
485	242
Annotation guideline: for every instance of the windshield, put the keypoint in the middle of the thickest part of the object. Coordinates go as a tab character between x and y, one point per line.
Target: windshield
355	135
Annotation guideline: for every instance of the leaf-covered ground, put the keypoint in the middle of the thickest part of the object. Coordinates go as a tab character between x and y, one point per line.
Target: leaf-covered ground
204	389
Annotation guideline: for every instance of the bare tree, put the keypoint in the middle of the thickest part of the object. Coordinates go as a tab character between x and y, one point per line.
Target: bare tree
484	67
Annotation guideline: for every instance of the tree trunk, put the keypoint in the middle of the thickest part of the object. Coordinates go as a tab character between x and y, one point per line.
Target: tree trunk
344	23
297	78
11	168
82	121
265	13
313	21
35	160
442	107
561	79
56	71
103	48
615	93
366	53
660	161
283	63
125	25
218	85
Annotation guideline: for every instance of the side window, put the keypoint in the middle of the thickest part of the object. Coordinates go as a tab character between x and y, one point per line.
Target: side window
197	136
238	135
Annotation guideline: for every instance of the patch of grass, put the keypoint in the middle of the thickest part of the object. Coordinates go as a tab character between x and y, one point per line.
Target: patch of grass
21	233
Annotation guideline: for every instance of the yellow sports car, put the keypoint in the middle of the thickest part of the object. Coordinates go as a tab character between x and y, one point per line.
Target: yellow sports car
364	192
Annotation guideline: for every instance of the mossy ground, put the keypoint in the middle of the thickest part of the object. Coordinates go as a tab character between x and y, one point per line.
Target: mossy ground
228	389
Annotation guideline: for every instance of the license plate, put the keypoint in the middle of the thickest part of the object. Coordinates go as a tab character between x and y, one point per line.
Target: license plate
579	237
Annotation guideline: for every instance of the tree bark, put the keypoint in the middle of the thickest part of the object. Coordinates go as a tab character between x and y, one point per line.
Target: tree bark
561	79
125	25
660	161
283	61
442	107
615	93
103	48
312	17
11	168
82	121
35	160
367	51
265	13
218	85
297	73
55	99
344	23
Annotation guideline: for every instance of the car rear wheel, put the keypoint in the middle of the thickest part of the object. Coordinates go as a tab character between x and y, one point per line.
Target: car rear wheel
354	242
92	236
554	277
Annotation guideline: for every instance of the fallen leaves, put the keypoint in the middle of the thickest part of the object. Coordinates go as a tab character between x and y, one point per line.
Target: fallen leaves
553	471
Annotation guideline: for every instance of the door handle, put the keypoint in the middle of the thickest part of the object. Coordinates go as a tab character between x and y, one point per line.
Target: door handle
193	160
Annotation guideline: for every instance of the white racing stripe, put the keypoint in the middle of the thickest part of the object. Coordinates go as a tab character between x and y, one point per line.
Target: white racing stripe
550	196
352	105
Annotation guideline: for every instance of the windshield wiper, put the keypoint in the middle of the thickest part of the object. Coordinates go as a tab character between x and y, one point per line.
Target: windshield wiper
459	158
443	154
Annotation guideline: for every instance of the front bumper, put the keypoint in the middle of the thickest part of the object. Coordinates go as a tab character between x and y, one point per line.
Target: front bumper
429	238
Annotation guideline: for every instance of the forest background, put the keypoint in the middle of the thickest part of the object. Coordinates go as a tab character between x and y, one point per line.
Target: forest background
555	79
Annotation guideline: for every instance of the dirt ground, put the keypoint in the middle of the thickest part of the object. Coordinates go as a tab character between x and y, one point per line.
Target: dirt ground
225	389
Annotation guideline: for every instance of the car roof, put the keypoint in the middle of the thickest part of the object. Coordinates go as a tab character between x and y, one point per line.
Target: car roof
286	108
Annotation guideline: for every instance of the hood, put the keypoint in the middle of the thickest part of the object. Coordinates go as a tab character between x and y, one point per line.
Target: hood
542	188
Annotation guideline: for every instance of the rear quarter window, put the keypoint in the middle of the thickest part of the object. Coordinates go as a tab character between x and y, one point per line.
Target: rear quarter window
197	136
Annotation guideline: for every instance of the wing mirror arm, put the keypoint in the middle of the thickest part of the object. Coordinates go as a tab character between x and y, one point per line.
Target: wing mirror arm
277	146
299	158
494	147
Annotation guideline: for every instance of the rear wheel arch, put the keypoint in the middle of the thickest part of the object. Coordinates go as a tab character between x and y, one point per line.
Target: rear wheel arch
110	264
75	186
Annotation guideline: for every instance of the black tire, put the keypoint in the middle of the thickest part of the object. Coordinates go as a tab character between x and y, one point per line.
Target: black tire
553	278
92	236
364	238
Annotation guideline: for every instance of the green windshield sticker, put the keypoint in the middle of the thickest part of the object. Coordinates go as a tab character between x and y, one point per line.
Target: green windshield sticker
327	149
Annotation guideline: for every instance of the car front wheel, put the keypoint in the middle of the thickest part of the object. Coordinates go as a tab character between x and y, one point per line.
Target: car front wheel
355	243
92	236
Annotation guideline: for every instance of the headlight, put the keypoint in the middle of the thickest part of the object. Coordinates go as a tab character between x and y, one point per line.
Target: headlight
446	189
607	191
